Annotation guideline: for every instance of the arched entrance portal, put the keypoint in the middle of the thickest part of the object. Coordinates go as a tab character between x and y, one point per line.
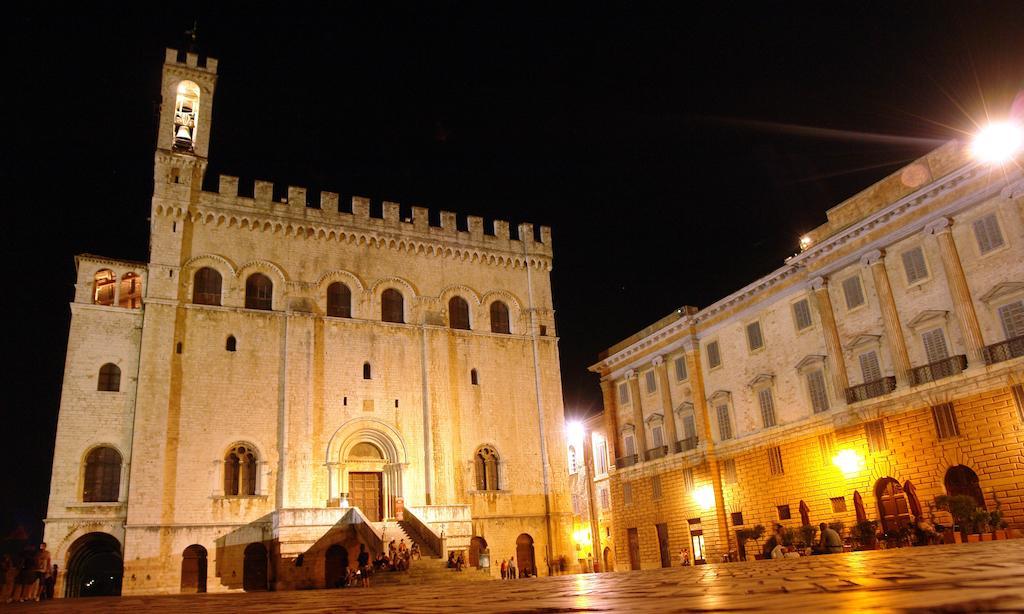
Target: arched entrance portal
961	480
335	566
365	462
94	566
476	546
609	560
254	568
524	555
193	569
893	509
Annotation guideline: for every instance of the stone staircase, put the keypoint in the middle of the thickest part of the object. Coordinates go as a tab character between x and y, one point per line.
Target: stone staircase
431	568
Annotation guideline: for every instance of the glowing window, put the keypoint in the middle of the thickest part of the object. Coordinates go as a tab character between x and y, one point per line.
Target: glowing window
186	116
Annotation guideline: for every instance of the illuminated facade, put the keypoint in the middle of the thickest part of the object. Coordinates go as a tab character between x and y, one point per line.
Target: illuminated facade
283	379
878	368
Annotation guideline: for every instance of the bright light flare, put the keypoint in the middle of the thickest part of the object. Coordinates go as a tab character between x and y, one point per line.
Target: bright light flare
998	142
848	461
705	497
806	242
574	430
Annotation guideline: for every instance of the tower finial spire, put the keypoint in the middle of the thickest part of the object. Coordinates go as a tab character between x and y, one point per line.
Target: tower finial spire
192	37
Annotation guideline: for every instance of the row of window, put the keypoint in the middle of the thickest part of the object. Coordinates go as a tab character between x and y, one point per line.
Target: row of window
259	294
106	289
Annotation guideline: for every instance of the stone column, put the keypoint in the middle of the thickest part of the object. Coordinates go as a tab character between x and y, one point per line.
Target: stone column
875	260
611	417
639	431
956	282
700	412
661	368
833	346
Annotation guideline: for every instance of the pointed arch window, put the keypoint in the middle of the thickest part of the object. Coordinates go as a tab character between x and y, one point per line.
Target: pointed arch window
206	286
109	378
259	292
458	313
102	475
499	318
392	306
240	464
339	300
486	469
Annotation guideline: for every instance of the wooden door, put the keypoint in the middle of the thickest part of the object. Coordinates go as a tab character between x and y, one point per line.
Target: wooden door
892	505
666	555
634	549
365	493
193	569
525	556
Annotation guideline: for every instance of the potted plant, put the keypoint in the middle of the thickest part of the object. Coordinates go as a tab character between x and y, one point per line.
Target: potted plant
996	519
807	535
752	534
979	524
866	534
961	508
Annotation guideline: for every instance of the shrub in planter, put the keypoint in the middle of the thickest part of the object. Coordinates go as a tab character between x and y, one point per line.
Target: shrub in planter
866	534
806	536
961	508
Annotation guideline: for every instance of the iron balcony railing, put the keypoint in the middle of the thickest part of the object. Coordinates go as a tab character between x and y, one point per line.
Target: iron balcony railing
870	390
655	453
1004	350
627	461
686	444
938	370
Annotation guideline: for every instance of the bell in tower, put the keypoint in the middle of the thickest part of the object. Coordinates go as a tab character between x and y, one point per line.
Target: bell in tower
186	116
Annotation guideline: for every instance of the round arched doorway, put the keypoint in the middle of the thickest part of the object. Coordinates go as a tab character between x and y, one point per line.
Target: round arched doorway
476	546
524	555
335	566
94	566
609	559
962	480
893	508
254	568
193	569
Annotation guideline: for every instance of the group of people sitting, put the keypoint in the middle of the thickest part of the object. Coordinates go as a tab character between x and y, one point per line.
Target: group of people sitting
829	542
27	576
398	556
456	561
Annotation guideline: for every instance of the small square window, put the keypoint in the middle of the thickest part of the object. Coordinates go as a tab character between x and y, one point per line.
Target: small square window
802	314
714	356
755	340
783	512
853	292
838	504
737	518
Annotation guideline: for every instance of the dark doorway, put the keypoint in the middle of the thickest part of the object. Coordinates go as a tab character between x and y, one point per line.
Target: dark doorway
193	569
254	569
961	480
609	559
335	566
94	566
365	493
634	548
524	555
476	546
666	555
892	505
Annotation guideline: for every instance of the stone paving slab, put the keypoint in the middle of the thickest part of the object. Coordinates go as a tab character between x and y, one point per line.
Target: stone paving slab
985	576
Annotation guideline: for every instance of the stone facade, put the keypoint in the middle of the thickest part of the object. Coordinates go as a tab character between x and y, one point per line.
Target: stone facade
887	354
329	409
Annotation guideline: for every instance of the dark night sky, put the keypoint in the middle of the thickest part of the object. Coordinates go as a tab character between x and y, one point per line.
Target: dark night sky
661	146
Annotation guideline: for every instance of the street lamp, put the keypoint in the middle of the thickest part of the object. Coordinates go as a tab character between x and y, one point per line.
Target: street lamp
998	142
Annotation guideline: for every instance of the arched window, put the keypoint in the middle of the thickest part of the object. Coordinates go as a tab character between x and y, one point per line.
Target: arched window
109	379
231	344
240	471
458	313
486	463
131	291
499	318
339	300
366	371
186	116
474	379
962	480
392	306
103	286
259	292
206	286
102	475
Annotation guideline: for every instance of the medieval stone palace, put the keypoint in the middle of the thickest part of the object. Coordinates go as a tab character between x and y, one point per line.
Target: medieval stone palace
284	380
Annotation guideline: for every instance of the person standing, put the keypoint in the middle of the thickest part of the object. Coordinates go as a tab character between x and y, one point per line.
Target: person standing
504	569
364	565
512	568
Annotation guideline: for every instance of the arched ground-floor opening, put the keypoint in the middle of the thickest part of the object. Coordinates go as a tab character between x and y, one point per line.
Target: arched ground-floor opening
893	508
254	568
525	561
335	566
962	480
609	559
94	566
476	546
193	569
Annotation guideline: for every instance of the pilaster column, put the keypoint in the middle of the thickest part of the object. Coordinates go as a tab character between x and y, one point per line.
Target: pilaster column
956	282
640	431
661	369
611	417
875	260
700	412
833	346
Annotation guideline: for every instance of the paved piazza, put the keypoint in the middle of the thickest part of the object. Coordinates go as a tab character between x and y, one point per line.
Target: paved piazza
967	577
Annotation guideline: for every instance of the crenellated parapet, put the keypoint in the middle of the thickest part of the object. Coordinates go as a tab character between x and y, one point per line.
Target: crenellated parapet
293	215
